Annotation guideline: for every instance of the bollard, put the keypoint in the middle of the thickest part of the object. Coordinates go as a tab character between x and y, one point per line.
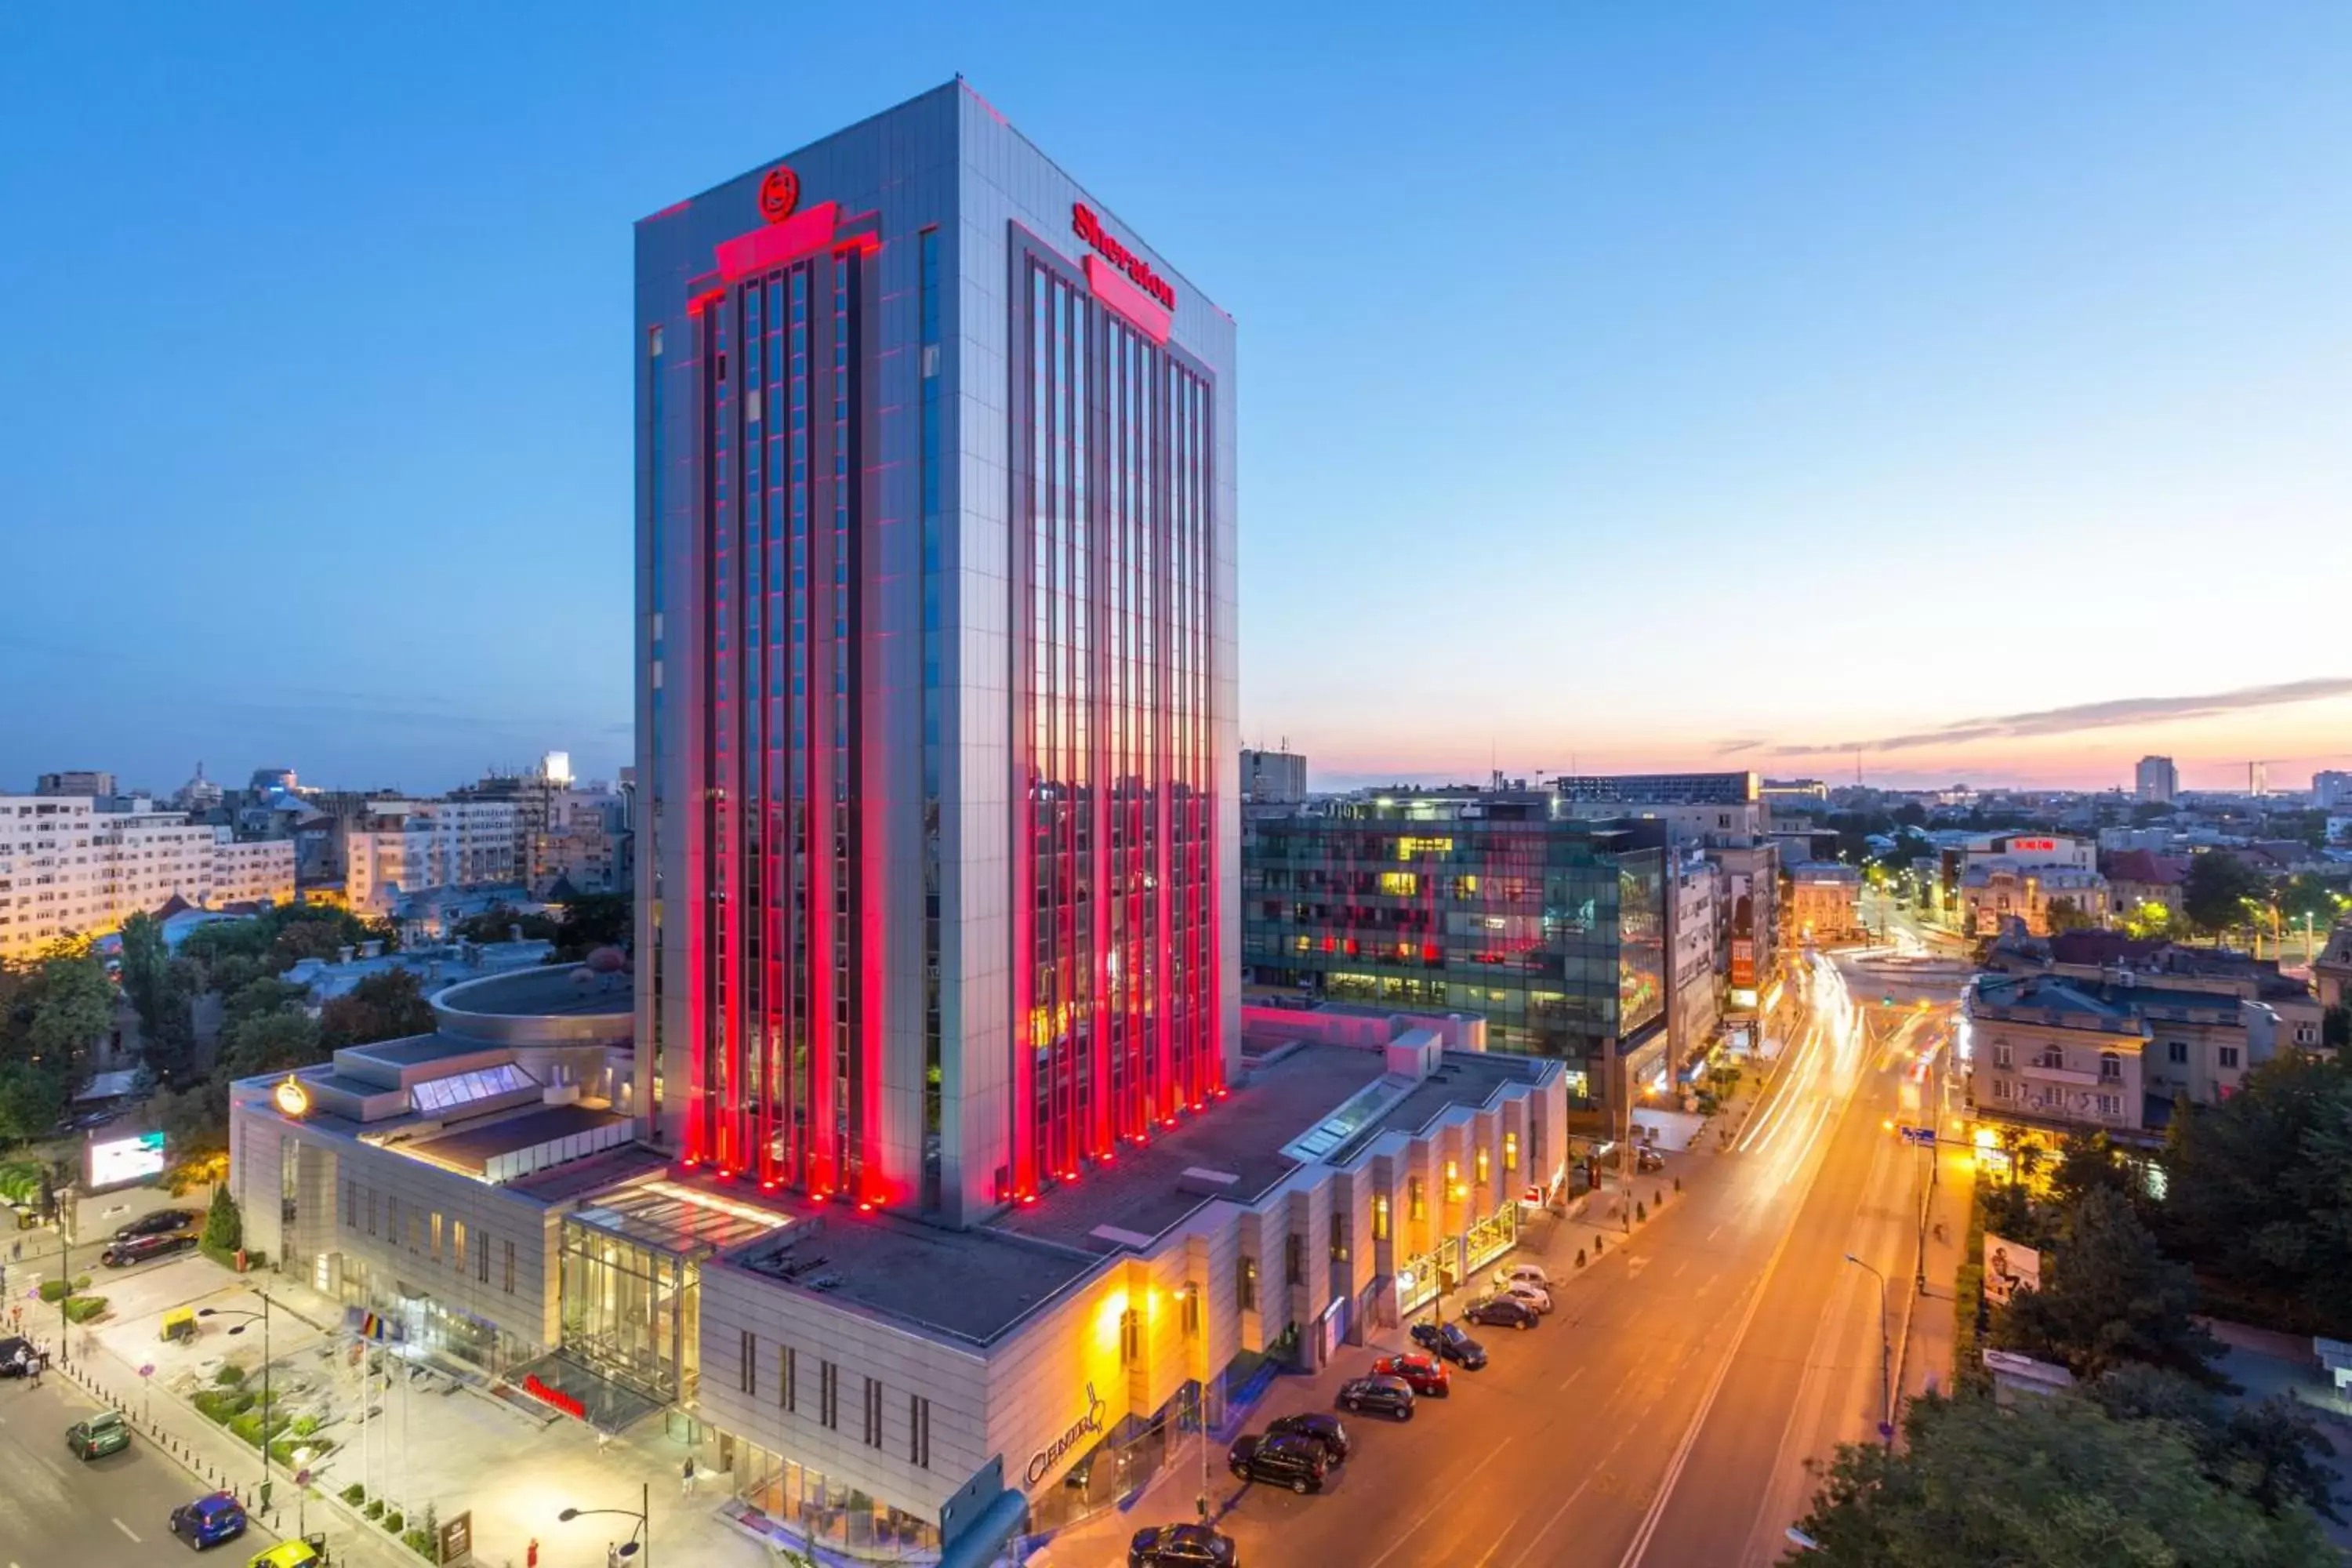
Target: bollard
1579	1258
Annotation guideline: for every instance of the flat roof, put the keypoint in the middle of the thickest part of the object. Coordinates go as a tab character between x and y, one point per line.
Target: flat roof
546	992
415	1050
1241	1136
970	1284
472	1148
681	1218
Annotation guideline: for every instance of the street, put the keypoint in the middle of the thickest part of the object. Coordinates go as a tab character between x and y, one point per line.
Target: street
1667	1413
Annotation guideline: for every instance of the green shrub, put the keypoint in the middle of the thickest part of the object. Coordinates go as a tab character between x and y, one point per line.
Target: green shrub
419	1541
392	1521
1967	1292
215	1405
375	1509
83	1308
284	1448
81	1282
247	1428
355	1494
229	1376
55	1290
305	1425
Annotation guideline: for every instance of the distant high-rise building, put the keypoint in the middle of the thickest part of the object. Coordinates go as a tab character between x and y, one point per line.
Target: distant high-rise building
2157	781
2331	789
199	794
76	780
1272	778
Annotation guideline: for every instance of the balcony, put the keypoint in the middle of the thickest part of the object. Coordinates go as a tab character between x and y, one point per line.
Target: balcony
2048	1073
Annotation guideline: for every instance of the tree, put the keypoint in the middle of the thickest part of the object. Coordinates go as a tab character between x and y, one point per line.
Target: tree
593	921
2335	1027
271	1042
73	1005
224	1226
2108	1296
390	1005
2065	914
2258	1193
2216	893
31	1101
258	999
2306	894
2053	1482
2273	1453
2089	1162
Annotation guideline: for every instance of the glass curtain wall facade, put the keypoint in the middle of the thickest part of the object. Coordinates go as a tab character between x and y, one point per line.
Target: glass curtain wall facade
1552	929
936	671
1115	870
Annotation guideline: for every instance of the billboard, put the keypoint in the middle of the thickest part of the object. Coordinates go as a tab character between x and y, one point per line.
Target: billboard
115	1160
2008	1268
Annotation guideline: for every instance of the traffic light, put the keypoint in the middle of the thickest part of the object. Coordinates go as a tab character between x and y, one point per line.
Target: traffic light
1887	1000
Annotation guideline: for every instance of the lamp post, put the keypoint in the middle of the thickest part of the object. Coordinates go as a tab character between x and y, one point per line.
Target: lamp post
261	1317
1886	1352
642	1514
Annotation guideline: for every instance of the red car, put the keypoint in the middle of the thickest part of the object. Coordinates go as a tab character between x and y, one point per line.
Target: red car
1425	1375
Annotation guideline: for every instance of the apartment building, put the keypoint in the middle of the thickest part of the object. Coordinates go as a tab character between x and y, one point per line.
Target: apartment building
70	867
400	846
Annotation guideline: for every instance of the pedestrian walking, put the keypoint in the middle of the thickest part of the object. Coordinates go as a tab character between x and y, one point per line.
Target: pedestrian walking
612	1556
17	1251
686	1477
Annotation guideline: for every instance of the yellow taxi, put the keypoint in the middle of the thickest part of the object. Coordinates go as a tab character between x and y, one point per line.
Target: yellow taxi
311	1551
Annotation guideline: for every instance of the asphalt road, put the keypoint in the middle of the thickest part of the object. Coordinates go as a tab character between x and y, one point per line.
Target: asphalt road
56	1509
1666	1415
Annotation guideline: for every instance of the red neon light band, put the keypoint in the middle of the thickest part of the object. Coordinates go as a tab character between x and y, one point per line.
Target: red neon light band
1111	287
774	244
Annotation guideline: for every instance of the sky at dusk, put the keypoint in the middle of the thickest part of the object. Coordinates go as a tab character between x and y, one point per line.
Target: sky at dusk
1621	387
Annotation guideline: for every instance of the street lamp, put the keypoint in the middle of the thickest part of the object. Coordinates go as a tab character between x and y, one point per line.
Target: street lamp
262	1317
643	1513
1886	1352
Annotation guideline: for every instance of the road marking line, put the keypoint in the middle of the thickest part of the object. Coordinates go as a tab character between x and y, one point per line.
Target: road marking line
1657	1509
1406	1533
127	1531
1572	1377
1712	1234
1679	1269
1562	1508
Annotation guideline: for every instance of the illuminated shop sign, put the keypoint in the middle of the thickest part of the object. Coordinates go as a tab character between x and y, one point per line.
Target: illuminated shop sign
2037	844
1088	227
1042	1462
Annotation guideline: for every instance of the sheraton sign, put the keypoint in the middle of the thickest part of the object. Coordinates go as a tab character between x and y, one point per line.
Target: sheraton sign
1088	227
1042	1462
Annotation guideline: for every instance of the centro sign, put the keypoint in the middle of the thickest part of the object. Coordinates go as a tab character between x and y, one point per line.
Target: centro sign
1088	227
1042	1462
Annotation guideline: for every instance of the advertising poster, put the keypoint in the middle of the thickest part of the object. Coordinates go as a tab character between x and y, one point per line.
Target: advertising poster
2009	1268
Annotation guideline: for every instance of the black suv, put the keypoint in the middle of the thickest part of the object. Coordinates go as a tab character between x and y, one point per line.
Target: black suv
1294	1462
18	1357
163	1222
1315	1427
1181	1546
1390	1396
1451	1343
1501	1312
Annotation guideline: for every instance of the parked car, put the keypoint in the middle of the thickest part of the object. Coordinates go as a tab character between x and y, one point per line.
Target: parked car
163	1222
1424	1374
104	1432
1501	1312
1315	1427
311	1551
1646	1160
1526	1291
141	1249
1452	1342
210	1519
1389	1397
1294	1462
18	1357
1181	1546
1510	1274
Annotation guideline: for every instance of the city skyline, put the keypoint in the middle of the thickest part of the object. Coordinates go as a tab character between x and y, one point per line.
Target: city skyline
1919	437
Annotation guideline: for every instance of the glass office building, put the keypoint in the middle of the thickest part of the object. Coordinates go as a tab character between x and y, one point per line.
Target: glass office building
1552	929
936	695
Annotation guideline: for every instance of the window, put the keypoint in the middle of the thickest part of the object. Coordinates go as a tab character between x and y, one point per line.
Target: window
1190	1298
2177	1050
828	1394
1294	1261
2228	1055
2049	1058
509	1269
392	1227
2001	1056
873	1412
2111	1066
416	1231
788	1377
350	1206
482	1258
1246	1285
2111	1105
1338	1237
1131	1337
918	1430
2003	1088
1415	1204
747	1379
435	1232
1482	1167
1380	1216
1510	1152
457	1245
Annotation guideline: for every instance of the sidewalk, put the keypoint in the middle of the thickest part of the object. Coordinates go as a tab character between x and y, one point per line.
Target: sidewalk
435	1440
1928	1325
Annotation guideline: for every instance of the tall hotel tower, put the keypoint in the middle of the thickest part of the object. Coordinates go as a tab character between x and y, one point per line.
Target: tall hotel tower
935	668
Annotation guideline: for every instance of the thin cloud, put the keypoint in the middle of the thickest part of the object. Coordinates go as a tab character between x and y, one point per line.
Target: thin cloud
2086	716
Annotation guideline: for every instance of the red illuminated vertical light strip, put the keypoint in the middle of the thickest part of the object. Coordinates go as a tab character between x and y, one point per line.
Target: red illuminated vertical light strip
879	783
1021	694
